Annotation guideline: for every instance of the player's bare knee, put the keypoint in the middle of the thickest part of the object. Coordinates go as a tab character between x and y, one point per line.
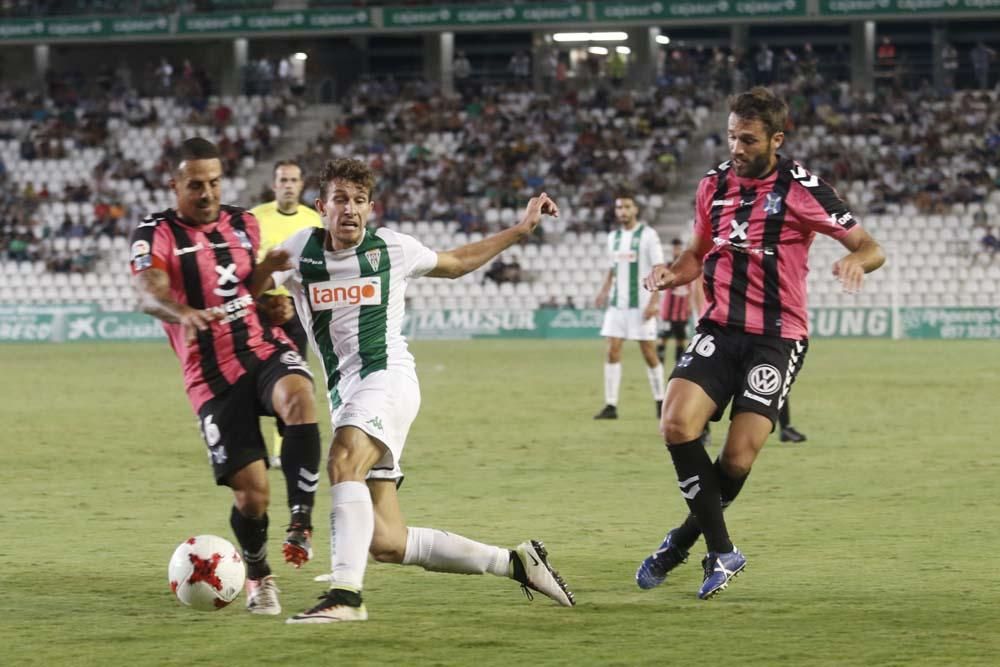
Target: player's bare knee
387	550
294	404
347	464
252	503
676	431
736	466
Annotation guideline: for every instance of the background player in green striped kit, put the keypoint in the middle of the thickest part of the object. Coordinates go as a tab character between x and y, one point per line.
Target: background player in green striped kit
633	249
348	284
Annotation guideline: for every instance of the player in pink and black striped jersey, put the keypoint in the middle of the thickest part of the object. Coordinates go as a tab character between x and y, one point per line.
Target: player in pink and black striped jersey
755	217
193	268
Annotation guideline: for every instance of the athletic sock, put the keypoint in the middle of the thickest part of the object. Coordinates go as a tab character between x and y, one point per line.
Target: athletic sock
300	455
784	415
688	532
661	352
352	524
612	383
656	385
440	551
678	352
251	533
699	484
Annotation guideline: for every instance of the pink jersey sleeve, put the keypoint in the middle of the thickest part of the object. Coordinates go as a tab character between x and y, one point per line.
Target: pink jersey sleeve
703	207
817	206
151	246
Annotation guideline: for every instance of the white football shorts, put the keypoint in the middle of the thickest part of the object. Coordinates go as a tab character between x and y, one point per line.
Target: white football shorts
627	323
383	405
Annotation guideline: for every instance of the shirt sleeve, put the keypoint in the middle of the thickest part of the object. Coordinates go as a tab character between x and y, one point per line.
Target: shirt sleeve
149	247
418	259
703	208
291	280
818	207
655	249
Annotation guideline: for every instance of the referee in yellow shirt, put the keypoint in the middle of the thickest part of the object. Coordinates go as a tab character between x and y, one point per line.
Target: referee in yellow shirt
279	219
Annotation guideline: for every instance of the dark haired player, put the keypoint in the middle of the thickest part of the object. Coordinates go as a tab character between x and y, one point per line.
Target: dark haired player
192	266
755	218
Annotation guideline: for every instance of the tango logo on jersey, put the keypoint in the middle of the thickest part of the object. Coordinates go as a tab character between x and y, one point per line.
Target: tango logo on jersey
344	293
764	379
772	204
626	256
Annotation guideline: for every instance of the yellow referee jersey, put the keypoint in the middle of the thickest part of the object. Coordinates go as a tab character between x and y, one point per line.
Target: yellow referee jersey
276	226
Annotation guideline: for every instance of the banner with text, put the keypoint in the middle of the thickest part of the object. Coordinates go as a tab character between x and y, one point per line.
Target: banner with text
697	9
483	15
904	7
84	28
276	21
87	323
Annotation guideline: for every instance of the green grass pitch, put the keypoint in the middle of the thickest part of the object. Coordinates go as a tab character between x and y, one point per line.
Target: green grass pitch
874	543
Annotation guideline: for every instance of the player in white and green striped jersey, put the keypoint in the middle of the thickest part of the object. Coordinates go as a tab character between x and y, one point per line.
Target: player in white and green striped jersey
348	284
633	249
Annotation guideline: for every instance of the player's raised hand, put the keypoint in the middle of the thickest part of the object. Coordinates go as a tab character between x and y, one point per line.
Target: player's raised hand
537	207
194	320
850	271
661	277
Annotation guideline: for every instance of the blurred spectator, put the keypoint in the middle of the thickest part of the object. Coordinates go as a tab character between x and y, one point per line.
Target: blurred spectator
949	66
982	56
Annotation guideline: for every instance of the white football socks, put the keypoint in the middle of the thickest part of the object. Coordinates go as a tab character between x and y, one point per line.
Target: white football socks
655	376
439	551
612	383
352	524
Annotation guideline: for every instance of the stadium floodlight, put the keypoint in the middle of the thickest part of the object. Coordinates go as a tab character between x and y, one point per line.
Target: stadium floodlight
597	50
662	39
301	56
590	36
624	50
571	37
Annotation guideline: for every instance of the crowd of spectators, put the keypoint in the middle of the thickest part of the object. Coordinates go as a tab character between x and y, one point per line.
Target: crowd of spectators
917	148
455	157
76	114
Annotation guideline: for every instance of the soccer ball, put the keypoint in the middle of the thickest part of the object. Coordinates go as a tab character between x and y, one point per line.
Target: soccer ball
206	572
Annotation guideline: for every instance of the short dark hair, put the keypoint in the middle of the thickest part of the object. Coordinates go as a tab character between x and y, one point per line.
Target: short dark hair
761	104
676	241
346	169
625	193
197	148
285	163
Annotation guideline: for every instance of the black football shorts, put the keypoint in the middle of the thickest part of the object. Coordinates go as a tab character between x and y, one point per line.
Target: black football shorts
754	372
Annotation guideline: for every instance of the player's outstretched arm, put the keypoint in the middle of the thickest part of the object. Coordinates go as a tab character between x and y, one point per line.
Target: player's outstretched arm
865	256
261	280
685	268
153	288
456	263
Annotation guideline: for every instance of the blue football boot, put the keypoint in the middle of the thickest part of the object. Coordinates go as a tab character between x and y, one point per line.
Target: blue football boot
719	569
654	569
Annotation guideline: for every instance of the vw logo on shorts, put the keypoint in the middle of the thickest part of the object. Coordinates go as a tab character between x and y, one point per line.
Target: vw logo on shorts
291	358
764	379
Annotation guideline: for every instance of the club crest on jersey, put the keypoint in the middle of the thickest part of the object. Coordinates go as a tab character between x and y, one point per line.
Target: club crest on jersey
333	294
772	204
373	257
244	239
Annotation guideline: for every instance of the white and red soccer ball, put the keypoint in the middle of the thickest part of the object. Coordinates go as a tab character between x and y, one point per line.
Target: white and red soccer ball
206	572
